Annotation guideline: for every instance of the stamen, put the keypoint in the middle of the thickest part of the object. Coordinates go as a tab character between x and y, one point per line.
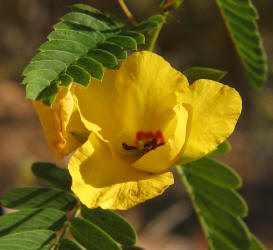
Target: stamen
128	147
146	141
152	143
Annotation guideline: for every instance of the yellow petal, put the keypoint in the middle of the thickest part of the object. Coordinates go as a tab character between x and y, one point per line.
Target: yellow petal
61	123
142	82
214	109
163	157
96	105
100	179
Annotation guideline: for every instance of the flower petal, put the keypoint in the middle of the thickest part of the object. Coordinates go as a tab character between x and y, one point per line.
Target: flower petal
142	82
100	179
163	157
214	109
61	123
96	104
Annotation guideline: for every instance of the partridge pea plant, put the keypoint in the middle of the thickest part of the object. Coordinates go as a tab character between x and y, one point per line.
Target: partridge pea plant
128	120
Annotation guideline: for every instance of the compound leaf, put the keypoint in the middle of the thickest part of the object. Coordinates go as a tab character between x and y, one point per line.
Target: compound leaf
63	59
240	18
212	188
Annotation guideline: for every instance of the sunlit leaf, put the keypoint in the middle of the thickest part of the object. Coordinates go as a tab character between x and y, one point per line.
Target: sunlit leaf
62	59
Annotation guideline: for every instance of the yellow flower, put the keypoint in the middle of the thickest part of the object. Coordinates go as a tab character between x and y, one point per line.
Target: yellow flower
61	123
143	119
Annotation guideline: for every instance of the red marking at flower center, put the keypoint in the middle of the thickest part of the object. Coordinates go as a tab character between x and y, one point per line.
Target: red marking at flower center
146	141
150	136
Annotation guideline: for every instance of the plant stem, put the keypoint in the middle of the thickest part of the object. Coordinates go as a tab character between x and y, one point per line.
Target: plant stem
152	37
66	226
196	209
127	12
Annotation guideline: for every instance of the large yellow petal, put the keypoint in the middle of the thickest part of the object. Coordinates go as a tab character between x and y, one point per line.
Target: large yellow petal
61	123
163	157
96	105
214	109
100	179
142	82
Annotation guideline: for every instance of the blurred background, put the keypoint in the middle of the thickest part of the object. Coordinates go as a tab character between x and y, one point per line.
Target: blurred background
195	35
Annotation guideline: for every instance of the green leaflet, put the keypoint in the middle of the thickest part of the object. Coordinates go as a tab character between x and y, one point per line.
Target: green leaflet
51	174
196	73
79	75
114	49
32	219
91	236
92	66
29	240
112	223
68	244
140	38
211	186
151	23
125	42
222	149
38	197
65	80
106	58
84	43
240	18
49	94
131	248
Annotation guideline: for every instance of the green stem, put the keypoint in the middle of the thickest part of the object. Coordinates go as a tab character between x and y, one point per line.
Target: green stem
127	12
152	37
196	208
66	226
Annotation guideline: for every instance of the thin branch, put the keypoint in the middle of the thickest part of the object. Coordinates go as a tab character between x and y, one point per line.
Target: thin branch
127	12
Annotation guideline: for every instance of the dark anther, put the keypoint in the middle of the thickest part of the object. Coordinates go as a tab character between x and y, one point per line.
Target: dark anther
151	143
128	147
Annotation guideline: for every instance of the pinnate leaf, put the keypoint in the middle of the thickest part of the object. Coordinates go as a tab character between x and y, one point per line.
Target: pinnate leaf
62	59
240	18
212	186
